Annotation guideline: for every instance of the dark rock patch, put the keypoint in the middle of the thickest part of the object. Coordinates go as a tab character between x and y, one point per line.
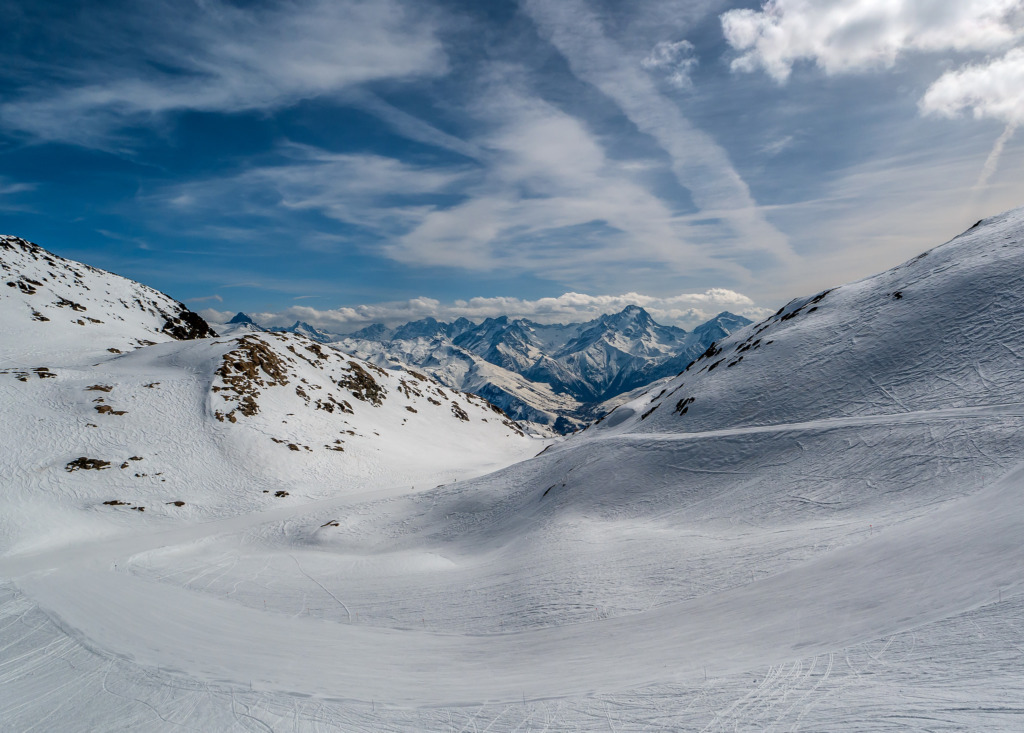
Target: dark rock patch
108	410
362	385
86	464
186	325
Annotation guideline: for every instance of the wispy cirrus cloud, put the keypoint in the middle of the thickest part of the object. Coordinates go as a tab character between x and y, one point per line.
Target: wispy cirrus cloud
9	188
698	162
206	299
548	200
412	127
380	194
140	62
583	143
685	309
549	179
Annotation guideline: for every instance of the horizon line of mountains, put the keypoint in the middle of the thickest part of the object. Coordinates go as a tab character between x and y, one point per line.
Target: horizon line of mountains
559	375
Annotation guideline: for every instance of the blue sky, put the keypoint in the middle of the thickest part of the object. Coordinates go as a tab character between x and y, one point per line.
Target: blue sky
345	162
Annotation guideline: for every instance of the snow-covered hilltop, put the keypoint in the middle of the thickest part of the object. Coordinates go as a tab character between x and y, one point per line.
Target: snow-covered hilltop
107	410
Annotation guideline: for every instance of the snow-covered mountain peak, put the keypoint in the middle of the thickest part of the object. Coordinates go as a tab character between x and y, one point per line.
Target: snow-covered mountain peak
722	325
373	332
632	331
427	327
630	318
304	329
584	363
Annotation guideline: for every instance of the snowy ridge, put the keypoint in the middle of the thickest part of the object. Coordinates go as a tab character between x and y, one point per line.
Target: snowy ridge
54	308
458	368
224	425
941	330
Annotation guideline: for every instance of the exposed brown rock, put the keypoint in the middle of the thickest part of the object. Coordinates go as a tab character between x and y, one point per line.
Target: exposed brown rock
362	385
86	464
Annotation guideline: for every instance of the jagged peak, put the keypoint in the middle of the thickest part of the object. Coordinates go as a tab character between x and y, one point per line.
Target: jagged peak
631	313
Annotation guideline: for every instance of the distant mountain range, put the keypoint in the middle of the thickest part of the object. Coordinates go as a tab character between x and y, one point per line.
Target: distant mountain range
561	375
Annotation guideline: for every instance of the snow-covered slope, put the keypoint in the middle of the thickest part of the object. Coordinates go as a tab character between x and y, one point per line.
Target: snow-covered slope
57	309
942	330
837	549
221	425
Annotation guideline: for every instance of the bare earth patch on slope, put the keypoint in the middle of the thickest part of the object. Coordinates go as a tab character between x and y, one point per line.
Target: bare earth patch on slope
243	371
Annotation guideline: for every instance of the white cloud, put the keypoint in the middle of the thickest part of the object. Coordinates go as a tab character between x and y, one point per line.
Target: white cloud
990	90
848	35
675	60
854	35
698	162
686	310
217	56
994	89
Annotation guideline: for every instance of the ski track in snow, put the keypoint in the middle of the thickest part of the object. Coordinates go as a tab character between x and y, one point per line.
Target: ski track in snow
939	677
723	634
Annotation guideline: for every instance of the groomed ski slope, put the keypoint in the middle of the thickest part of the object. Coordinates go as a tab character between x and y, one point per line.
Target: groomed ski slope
828	538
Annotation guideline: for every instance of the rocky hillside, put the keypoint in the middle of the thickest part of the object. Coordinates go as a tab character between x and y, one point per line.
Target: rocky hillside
121	406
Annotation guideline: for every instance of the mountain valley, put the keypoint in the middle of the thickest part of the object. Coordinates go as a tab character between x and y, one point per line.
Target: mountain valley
813	526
